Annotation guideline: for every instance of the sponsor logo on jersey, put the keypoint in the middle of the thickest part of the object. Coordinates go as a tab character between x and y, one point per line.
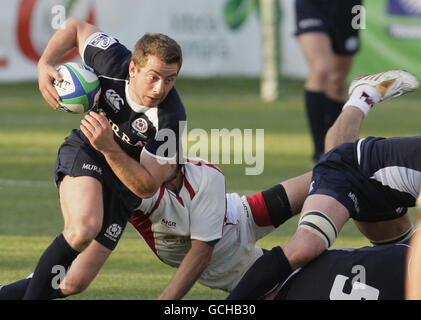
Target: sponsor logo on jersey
168	223
91	167
246	210
113	232
400	210
114	100
102	41
124	137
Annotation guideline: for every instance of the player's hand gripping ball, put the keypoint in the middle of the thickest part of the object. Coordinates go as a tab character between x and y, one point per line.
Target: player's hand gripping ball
80	89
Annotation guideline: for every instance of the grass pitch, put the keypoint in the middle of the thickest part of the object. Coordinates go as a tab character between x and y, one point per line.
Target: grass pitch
31	132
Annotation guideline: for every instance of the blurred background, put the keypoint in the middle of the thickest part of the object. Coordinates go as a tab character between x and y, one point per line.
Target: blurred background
219	37
243	68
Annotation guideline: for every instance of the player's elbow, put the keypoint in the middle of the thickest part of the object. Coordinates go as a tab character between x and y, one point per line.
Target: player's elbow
73	23
146	189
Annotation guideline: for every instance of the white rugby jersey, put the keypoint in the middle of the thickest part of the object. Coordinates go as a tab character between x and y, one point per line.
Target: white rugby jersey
168	222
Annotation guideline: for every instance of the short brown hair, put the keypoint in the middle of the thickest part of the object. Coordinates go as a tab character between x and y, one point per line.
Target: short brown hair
158	45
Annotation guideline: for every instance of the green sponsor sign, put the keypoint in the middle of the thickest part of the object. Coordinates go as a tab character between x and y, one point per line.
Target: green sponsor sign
237	11
392	38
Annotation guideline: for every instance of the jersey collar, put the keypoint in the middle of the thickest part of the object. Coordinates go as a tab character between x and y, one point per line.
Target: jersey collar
135	107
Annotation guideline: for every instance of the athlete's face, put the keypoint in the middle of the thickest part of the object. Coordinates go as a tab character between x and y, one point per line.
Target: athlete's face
150	84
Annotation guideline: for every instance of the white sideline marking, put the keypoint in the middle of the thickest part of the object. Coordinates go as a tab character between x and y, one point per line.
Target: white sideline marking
45	183
26	183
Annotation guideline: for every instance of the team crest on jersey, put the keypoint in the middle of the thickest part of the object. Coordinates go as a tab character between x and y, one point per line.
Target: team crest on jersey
102	41
113	231
140	126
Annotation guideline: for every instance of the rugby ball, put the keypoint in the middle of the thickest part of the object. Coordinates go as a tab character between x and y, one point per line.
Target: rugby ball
80	89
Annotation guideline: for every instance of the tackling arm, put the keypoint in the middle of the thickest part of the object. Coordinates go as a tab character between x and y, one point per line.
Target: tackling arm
190	269
143	178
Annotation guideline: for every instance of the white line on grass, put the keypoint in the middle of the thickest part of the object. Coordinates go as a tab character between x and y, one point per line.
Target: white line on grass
25	183
44	183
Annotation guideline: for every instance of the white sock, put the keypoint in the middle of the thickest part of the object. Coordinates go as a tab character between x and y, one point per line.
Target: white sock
363	97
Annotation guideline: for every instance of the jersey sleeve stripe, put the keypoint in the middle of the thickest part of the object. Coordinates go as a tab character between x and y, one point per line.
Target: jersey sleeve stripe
189	188
89	39
158	201
143	226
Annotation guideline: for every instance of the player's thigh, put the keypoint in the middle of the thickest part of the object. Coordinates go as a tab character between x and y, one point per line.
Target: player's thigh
337	77
85	268
81	202
316	47
385	230
327	204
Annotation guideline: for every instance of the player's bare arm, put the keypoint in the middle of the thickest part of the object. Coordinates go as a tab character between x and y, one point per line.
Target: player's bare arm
143	178
190	269
74	34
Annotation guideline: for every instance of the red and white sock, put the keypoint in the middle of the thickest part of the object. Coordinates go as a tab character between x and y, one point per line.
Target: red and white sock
363	97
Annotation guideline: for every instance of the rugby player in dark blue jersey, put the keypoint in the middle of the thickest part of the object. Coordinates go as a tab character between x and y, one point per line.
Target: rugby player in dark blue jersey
372	180
139	100
367	273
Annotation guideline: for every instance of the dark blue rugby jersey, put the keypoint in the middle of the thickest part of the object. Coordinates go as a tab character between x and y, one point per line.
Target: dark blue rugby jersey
134	126
393	162
367	273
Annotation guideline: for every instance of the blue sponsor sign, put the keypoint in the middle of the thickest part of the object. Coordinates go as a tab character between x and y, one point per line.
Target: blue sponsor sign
410	8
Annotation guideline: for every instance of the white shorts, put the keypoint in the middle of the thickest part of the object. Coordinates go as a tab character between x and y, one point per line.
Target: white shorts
236	251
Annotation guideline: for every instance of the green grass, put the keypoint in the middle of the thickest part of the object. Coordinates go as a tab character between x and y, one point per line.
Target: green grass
31	132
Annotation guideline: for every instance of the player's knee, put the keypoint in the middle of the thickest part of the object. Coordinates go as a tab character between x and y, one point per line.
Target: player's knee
336	85
316	232
320	225
73	286
319	72
79	237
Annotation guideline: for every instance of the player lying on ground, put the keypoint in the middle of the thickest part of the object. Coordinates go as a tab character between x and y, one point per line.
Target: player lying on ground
368	273
218	243
373	181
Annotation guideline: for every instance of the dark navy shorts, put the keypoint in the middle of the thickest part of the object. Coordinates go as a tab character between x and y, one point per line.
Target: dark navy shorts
77	158
337	175
333	17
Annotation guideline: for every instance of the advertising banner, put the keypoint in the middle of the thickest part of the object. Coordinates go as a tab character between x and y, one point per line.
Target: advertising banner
392	38
218	37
